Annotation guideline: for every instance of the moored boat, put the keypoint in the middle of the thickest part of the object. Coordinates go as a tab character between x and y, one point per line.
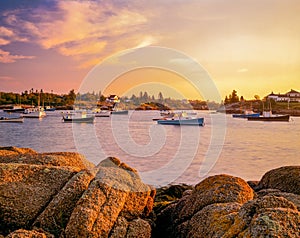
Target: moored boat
270	118
12	120
119	112
17	109
102	113
37	114
75	119
246	114
50	109
191	121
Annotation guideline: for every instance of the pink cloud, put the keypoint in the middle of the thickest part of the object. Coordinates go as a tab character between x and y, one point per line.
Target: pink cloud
7	57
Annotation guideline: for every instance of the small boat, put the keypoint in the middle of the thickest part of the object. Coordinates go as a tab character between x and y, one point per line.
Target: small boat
17	109
270	118
182	119
50	109
30	110
191	122
83	119
102	113
12	120
119	112
246	114
37	114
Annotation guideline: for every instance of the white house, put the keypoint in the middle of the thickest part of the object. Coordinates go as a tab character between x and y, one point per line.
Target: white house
291	96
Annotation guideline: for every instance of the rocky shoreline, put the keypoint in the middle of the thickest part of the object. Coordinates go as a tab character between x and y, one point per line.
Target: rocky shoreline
64	195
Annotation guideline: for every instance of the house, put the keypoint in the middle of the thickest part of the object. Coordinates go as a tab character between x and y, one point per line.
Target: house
291	96
113	99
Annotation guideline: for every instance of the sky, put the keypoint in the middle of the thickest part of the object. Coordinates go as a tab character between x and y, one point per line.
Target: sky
252	46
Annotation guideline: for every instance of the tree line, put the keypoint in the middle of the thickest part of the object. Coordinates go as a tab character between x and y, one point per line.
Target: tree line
234	98
39	97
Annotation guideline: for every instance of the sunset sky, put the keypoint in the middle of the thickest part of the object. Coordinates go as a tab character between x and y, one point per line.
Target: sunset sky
252	46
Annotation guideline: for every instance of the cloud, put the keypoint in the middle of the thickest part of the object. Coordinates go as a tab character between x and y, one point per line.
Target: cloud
7	57
6	78
8	35
5	31
77	29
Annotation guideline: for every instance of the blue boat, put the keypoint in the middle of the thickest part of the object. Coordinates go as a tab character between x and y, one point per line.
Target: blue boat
246	115
184	121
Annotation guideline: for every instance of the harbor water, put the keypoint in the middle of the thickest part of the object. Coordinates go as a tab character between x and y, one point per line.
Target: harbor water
165	154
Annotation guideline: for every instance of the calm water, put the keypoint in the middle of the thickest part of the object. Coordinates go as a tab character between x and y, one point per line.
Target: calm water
167	154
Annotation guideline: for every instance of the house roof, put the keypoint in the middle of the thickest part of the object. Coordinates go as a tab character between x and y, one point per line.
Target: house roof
292	91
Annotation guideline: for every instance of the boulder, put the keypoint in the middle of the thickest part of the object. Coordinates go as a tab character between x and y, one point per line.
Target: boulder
56	214
215	189
21	233
14	151
29	156
286	179
169	194
25	190
294	198
138	228
269	216
61	194
114	193
177	220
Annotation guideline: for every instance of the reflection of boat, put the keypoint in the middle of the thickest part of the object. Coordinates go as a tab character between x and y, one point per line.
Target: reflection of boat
12	120
246	114
183	121
83	119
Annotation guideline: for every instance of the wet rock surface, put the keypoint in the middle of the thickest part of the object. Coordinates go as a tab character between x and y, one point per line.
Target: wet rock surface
64	195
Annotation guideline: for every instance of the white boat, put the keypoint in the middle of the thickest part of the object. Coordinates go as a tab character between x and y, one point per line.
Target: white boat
182	119
12	120
179	122
37	114
84	118
101	113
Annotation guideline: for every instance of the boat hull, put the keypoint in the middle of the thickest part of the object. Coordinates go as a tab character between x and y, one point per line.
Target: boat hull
35	115
19	110
79	120
188	122
121	112
11	120
272	118
102	114
246	115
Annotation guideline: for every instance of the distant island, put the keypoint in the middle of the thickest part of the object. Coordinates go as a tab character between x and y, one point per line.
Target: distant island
144	101
288	103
